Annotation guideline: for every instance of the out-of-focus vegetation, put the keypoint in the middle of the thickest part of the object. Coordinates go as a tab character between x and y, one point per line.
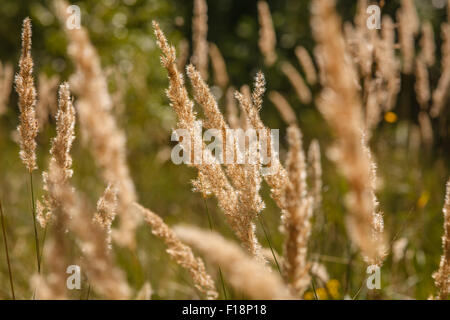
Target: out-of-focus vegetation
411	181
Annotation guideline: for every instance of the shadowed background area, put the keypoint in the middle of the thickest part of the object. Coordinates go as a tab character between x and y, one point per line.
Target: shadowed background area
411	173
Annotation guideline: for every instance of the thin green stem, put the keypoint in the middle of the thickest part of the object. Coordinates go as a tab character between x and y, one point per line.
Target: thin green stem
7	252
207	214
33	213
348	271
89	291
267	235
223	284
359	290
211	228
43	243
314	289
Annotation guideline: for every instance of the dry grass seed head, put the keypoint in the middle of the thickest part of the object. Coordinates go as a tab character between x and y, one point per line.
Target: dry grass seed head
296	80
211	177
219	67
28	127
199	37
267	37
99	127
307	64
442	276
243	272
6	79
283	107
181	253
315	172
340	105
296	216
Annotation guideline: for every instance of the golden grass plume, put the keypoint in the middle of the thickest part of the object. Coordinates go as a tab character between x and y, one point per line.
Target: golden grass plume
24	83
244	273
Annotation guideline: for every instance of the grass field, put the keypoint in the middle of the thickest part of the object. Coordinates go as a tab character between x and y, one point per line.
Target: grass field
311	69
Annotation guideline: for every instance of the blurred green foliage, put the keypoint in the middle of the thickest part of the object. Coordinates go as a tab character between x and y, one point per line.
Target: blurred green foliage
412	182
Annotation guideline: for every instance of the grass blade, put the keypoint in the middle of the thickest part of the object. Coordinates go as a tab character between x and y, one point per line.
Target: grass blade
211	228
267	235
7	252
33	213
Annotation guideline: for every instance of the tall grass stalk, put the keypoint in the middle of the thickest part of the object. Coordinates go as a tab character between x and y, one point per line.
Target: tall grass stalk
43	244
33	213
267	235
7	252
28	127
313	285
